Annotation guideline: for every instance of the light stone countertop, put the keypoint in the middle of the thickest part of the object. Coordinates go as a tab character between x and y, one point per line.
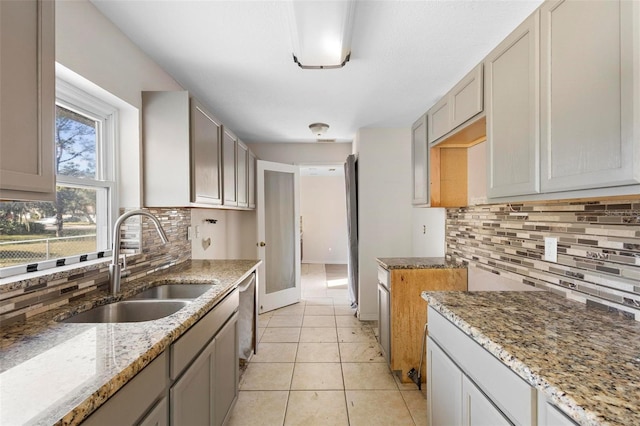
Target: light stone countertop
585	361
57	373
418	263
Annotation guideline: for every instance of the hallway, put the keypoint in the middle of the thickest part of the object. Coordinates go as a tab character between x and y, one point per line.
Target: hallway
319	365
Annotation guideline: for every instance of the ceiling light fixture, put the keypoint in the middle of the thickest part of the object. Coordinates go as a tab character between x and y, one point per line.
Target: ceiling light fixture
318	129
321	33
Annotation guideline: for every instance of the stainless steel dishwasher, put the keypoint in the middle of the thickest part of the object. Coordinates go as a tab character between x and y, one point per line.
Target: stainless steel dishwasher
248	318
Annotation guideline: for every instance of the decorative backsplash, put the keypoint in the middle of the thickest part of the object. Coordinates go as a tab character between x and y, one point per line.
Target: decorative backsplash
598	247
22	299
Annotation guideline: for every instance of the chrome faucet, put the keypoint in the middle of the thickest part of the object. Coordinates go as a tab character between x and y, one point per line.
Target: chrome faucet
114	267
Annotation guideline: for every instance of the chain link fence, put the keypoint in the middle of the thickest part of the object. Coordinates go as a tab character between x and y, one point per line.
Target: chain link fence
30	251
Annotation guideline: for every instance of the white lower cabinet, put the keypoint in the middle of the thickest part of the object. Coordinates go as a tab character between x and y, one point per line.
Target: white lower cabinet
158	416
207	390
477	409
467	385
444	388
194	382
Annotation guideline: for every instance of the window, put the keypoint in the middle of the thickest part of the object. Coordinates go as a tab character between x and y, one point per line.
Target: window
78	222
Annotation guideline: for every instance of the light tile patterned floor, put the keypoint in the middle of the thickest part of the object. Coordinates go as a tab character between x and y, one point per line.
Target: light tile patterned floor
319	365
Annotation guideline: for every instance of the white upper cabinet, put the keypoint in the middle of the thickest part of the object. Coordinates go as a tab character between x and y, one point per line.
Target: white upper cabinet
229	143
439	119
590	94
27	100
466	98
512	107
181	151
205	139
251	176
420	162
242	174
463	102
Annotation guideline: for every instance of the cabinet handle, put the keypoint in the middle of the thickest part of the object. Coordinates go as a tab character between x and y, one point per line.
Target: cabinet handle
261	244
424	229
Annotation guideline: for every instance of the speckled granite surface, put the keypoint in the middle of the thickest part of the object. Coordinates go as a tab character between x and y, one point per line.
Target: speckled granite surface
417	263
56	373
585	361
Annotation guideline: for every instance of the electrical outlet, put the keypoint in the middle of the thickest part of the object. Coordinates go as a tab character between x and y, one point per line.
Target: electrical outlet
551	249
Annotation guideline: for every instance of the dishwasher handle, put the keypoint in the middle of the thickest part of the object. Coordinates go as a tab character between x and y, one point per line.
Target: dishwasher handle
247	283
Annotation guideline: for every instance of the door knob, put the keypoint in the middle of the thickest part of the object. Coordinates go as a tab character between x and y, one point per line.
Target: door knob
261	244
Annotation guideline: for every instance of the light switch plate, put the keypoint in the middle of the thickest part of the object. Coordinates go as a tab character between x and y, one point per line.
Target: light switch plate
551	249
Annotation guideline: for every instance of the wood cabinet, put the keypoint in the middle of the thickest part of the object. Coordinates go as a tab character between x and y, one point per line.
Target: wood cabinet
463	102
226	371
181	151
590	105
242	174
229	166
408	311
27	101
158	416
548	415
512	108
384	313
420	162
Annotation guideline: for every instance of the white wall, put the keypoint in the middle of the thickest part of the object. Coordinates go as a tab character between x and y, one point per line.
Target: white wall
233	236
89	45
384	206
324	219
302	153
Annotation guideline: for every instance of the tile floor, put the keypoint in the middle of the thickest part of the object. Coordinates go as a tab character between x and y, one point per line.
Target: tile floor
319	365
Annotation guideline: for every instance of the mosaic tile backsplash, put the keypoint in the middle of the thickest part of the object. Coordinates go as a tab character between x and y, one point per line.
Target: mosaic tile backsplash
22	299
598	247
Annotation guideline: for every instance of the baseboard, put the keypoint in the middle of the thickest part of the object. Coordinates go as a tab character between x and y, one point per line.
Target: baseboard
367	317
323	262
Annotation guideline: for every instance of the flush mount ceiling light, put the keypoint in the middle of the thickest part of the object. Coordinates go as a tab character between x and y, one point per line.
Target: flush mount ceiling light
321	33
318	129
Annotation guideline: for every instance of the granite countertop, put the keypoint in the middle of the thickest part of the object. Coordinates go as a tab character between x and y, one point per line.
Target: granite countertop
418	263
57	373
585	361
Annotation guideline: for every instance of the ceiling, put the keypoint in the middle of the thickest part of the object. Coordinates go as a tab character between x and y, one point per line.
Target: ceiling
235	57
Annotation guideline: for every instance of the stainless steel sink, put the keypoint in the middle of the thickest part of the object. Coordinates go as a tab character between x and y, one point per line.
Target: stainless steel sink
129	311
174	291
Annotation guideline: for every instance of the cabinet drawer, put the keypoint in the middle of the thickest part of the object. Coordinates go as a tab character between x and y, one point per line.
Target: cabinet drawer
185	349
132	400
512	395
383	277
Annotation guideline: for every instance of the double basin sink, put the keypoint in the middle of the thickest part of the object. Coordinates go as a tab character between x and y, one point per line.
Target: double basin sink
151	304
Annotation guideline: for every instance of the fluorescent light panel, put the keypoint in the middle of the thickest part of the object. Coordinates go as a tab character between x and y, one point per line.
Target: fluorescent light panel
321	32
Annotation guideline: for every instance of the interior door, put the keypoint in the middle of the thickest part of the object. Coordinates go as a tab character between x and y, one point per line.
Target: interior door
278	211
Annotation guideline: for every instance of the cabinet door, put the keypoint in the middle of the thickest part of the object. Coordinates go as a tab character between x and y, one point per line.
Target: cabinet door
242	163
229	142
192	396
420	162
252	180
159	416
384	321
465	99
444	388
439	119
27	100
477	409
226	374
512	104
205	144
588	83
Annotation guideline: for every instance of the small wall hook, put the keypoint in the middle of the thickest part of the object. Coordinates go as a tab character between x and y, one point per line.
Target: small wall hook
214	221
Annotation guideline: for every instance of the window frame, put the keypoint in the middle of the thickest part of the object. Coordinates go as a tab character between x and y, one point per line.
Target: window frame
74	99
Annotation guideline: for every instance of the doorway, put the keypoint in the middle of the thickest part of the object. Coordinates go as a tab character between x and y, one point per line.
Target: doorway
323	234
